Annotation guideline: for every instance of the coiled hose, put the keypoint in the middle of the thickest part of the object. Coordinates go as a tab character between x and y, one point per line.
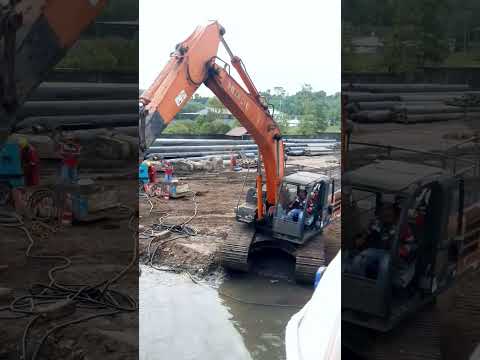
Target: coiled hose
97	297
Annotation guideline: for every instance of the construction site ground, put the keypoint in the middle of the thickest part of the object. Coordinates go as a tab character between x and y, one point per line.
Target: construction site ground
216	195
424	136
98	251
249	311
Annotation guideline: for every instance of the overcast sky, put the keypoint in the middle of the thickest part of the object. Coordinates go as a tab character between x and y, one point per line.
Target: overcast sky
282	43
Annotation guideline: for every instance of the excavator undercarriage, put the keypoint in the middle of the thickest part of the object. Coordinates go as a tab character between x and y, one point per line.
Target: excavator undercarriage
244	240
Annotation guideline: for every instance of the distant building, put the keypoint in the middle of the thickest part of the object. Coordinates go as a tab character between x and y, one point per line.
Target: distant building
224	115
294	122
190	115
452	44
238	132
123	29
474	39
367	44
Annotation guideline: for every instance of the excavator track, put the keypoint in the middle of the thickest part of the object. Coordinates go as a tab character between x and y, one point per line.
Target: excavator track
236	247
448	329
333	239
418	339
316	252
309	257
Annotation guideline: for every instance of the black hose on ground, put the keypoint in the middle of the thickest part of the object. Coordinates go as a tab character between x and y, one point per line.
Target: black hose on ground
92	297
181	228
185	232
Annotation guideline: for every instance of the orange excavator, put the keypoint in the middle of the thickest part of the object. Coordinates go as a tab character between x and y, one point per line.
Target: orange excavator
282	212
34	37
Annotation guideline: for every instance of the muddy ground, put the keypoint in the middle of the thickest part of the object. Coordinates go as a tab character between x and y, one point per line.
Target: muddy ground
423	136
98	251
216	195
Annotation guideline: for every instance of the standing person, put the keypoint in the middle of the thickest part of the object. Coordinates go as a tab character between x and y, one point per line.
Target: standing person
233	161
168	169
70	153
152	174
168	172
30	163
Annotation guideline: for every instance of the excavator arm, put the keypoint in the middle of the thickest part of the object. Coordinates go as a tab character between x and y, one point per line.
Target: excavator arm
186	70
34	36
259	124
194	62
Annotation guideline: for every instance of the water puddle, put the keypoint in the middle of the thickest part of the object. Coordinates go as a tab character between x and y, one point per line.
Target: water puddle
244	319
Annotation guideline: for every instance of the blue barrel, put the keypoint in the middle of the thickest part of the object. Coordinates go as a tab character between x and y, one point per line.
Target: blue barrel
143	173
319	274
11	170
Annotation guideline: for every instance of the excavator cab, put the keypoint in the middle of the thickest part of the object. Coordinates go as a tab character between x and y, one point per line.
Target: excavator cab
247	211
303	208
401	243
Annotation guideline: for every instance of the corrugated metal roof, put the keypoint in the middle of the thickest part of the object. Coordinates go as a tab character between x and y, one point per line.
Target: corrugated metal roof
368	41
238	131
305	178
131	22
390	175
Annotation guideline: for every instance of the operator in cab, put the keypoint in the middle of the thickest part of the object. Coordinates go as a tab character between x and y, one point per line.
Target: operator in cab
297	206
381	231
379	239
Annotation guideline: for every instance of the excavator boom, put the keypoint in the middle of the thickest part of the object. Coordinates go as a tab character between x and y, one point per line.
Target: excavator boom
35	35
177	82
193	63
258	123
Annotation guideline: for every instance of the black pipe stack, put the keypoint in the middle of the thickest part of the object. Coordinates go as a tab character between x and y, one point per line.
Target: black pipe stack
411	103
80	106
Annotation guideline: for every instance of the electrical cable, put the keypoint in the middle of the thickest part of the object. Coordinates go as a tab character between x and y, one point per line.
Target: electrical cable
185	232
181	228
96	297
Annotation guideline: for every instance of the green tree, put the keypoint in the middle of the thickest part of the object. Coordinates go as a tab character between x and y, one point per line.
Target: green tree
282	121
324	109
120	10
313	109
311	125
279	91
216	107
193	107
333	110
418	36
105	54
183	127
209	124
